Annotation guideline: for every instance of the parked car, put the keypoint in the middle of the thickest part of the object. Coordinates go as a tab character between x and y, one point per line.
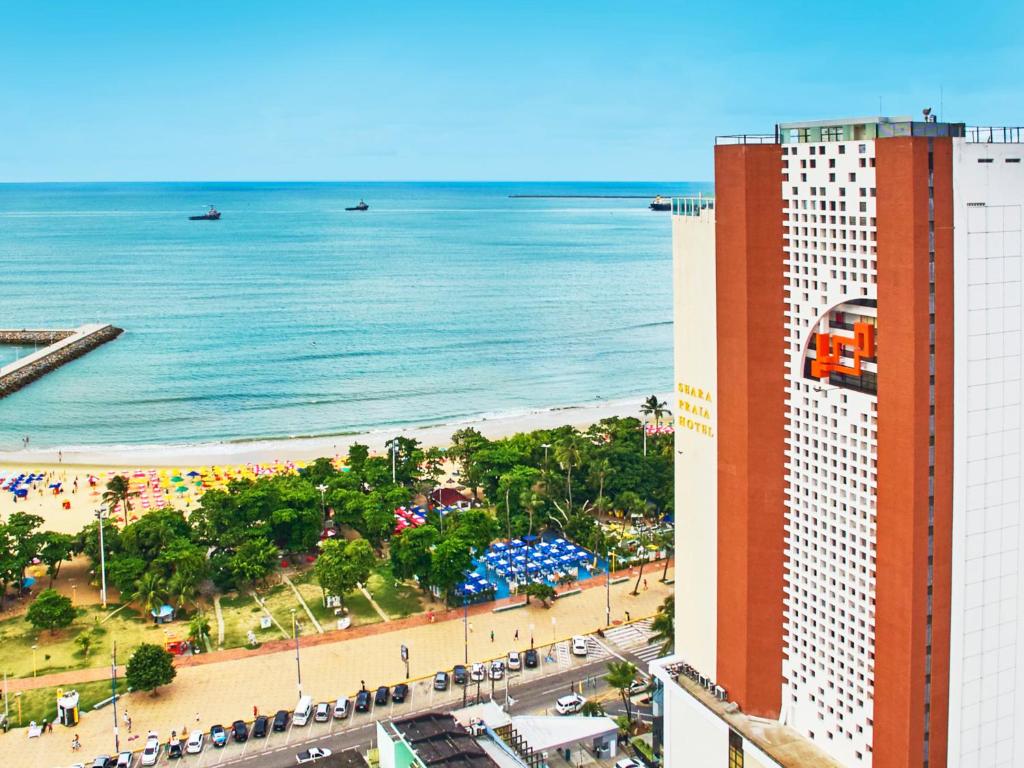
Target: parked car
259	727
459	674
441	681
363	700
638	686
497	670
628	762
311	755
399	693
125	759
341	708
239	731
531	659
174	748
381	697
151	751
579	646
218	736
478	673
281	720
103	761
515	661
569	705
323	712
194	745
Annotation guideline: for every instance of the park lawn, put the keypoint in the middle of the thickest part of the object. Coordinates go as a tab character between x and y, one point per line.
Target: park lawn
241	613
281	601
396	601
58	652
359	608
41	703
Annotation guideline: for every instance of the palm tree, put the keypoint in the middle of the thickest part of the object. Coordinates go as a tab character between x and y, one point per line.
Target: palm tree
151	590
600	470
569	454
664	624
620	676
530	500
181	589
667	541
655	408
118	493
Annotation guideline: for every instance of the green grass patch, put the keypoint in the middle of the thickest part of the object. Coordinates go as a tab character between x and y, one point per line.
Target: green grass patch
396	601
41	703
58	652
241	614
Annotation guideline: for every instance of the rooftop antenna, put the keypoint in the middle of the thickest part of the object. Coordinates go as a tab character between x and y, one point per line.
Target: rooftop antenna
940	101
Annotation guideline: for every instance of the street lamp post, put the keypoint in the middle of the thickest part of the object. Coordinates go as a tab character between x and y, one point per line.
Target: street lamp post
394	449
298	665
608	590
103	562
465	644
34	647
113	695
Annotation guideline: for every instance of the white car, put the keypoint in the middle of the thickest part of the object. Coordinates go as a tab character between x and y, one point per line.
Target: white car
627	762
497	670
311	755
579	646
341	709
515	661
638	686
194	745
125	759
151	751
323	712
569	705
477	673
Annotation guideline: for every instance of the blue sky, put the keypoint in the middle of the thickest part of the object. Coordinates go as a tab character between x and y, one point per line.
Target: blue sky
469	90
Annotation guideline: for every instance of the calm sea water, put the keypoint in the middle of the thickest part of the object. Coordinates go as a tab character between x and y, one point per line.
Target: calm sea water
291	316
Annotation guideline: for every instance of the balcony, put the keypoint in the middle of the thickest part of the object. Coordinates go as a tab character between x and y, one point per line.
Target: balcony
699	206
988	134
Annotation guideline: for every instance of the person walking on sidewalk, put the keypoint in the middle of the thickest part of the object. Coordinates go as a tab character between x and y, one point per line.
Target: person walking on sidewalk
492	635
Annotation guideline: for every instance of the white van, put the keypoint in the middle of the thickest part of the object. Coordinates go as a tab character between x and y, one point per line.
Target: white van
303	711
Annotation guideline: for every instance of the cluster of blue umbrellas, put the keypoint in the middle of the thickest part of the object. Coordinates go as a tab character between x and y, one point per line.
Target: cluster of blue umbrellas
521	559
19	484
474	585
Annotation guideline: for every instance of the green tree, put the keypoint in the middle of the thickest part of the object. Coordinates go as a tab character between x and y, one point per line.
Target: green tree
663	625
357	456
125	572
85	642
119	492
330	570
667	541
411	553
50	610
450	562
655	408
513	485
477	527
150	667
543	592
151	590
359	560
620	676
592	708
466	444
253	561
55	549
568	454
198	627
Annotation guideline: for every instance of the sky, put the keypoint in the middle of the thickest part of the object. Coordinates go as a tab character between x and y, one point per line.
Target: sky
342	90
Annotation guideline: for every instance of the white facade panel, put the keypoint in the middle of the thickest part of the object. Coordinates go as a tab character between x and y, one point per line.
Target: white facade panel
831	449
696	442
695	737
986	715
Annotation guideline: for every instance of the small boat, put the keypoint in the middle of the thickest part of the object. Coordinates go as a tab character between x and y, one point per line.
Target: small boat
361	207
211	215
660	203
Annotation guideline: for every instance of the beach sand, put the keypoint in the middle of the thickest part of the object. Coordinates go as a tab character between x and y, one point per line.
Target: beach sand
80	463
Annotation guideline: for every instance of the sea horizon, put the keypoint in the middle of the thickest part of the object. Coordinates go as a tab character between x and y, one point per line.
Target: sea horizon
445	302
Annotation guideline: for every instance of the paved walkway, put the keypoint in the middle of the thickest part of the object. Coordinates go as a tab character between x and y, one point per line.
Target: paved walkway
224	686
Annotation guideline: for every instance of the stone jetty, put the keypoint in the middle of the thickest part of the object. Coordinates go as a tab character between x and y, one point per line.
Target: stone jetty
62	346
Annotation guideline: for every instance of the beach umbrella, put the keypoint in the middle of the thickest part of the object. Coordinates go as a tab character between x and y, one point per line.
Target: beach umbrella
176	479
181	489
193	473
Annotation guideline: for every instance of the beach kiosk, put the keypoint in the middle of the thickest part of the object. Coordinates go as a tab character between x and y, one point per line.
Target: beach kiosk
162	615
67	708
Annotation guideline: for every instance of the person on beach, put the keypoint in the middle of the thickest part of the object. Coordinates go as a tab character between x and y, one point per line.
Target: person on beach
75	743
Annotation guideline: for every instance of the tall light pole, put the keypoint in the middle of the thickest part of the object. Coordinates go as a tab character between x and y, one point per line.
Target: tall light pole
465	643
298	666
34	647
394	449
103	562
113	695
644	428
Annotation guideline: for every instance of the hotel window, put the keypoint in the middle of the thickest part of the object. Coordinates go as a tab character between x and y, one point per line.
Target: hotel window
735	750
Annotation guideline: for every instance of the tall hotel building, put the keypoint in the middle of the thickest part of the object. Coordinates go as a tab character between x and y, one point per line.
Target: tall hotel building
850	571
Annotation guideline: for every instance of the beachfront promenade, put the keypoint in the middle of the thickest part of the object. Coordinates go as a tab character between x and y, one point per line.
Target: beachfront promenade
225	686
63	346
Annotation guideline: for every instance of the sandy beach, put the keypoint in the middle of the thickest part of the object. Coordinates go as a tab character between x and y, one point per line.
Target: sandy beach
79	464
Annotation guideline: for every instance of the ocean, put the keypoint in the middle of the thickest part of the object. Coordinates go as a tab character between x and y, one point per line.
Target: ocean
293	317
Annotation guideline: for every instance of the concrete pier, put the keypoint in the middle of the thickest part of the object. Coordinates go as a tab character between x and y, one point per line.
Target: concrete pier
63	346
